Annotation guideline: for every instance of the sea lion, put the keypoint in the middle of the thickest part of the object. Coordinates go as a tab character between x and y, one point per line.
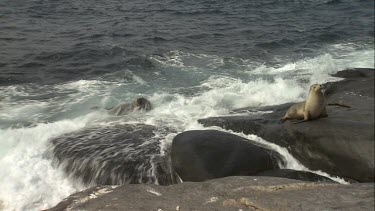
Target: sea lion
139	104
313	108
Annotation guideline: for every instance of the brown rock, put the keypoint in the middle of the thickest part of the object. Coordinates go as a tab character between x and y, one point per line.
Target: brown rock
230	193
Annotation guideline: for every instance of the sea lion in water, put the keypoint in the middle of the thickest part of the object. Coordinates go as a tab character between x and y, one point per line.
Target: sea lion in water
313	108
139	104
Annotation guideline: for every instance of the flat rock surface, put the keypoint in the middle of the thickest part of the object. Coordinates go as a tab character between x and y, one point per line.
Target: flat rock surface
342	144
230	193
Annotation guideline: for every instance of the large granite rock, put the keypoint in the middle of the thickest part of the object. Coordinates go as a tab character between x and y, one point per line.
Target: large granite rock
114	155
342	144
230	193
201	155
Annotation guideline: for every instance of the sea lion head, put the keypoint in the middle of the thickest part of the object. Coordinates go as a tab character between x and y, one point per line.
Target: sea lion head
141	104
316	88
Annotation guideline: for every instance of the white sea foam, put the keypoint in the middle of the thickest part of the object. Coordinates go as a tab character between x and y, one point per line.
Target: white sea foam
182	59
28	181
290	161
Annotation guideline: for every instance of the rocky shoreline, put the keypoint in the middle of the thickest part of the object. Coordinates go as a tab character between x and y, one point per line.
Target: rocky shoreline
341	145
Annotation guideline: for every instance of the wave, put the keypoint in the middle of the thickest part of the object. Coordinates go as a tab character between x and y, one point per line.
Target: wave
28	180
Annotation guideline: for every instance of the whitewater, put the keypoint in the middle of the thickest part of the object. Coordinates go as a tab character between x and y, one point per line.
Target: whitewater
185	87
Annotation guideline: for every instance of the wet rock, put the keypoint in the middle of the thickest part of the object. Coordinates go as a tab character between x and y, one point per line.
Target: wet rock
342	144
201	155
114	155
297	175
229	193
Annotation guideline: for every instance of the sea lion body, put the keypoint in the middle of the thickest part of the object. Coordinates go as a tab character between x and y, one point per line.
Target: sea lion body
296	111
139	104
120	109
313	108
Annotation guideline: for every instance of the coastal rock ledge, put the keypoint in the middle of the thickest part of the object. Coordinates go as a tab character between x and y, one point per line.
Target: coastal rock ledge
341	145
229	193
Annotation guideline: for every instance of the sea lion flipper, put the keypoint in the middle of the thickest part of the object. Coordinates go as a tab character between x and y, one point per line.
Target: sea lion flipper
300	121
306	115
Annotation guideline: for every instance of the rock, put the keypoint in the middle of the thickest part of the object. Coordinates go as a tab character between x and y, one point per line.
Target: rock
229	193
297	175
201	155
114	155
342	144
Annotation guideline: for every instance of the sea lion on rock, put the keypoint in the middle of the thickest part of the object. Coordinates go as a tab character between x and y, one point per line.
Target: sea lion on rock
139	104
313	108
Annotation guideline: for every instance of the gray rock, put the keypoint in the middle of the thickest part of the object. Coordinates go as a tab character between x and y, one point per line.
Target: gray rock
201	155
342	144
230	193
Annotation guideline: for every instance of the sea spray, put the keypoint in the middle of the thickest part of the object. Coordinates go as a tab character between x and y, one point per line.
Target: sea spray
27	175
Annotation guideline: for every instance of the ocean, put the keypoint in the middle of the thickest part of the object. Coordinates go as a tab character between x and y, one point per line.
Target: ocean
191	59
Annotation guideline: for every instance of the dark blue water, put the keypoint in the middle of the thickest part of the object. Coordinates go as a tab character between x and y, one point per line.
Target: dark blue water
52	41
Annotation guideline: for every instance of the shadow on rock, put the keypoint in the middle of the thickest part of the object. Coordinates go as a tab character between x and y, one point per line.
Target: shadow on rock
297	175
